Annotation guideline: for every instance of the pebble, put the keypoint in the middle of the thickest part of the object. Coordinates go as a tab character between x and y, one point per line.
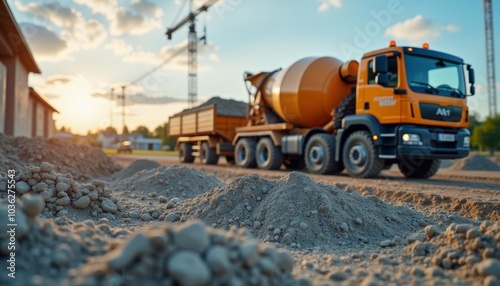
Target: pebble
62	187
285	261
344	227
431	231
175	200
146	217
108	206
94	195
46	167
33	205
490	266
171	217
249	253
136	246
47	195
187	268
192	237
218	259
82	202
162	199
22	187
64	201
387	243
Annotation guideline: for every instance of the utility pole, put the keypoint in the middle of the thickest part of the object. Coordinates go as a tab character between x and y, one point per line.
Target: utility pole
111	107
122	97
490	57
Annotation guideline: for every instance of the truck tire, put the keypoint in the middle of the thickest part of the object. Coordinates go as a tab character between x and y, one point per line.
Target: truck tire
185	153
244	153
267	155
360	156
426	169
319	154
208	156
294	163
346	107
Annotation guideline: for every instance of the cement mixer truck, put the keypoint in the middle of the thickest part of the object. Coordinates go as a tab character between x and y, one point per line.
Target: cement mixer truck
397	105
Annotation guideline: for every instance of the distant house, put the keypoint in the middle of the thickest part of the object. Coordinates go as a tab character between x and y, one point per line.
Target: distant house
108	139
23	111
141	143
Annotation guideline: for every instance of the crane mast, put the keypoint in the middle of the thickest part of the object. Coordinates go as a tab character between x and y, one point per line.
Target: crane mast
192	47
490	57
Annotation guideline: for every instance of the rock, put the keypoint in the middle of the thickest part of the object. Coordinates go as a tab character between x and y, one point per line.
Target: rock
447	264
249	253
162	199
490	266
46	167
136	246
175	200
62	187
22	187
94	195
187	268
108	206
41	187
344	227
82	202
387	243
491	281
33	205
146	217
285	261
218	259
193	237
431	231
172	217
47	195
64	201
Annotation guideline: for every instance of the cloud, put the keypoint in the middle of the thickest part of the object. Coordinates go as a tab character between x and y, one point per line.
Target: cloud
147	8
46	44
326	4
55	80
418	28
105	7
135	96
128	22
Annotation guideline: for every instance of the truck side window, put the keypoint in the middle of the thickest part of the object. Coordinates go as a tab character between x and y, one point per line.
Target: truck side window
392	73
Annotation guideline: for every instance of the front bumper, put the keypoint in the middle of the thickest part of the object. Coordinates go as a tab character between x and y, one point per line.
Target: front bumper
432	147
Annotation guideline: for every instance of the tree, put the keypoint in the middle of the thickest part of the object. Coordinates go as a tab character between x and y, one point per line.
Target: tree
487	135
161	132
110	129
474	122
125	130
143	130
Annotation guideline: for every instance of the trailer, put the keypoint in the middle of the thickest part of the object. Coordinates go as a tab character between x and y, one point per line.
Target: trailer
207	131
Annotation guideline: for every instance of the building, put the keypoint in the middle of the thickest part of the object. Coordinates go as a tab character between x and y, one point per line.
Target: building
108	139
23	111
141	143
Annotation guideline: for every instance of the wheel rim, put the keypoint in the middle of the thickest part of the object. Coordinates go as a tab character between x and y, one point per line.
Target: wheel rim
358	156
316	155
241	154
263	155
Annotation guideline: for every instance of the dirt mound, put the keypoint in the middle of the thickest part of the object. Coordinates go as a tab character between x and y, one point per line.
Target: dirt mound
298	212
190	255
63	196
175	181
136	166
474	163
470	251
46	249
83	162
227	107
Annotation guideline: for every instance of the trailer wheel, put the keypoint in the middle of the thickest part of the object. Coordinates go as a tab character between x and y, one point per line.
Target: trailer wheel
360	156
267	155
185	153
424	170
346	107
208	156
294	163
244	153
230	160
319	157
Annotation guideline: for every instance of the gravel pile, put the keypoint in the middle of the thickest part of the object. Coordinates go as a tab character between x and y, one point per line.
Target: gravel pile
189	255
496	160
46	249
83	162
63	195
135	167
297	212
227	107
475	163
175	181
469	250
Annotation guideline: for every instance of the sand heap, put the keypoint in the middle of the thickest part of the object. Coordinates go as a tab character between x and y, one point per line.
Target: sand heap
84	162
61	193
471	251
45	250
175	181
298	212
189	255
475	163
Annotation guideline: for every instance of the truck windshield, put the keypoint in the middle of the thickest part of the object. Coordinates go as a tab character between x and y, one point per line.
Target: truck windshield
434	76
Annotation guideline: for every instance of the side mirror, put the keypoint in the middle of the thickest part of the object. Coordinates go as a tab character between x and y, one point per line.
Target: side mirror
382	79
472	79
472	90
380	65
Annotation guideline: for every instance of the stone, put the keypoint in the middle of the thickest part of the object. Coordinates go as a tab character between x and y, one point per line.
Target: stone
62	187
94	195
218	259
134	247
64	201
82	202
162	199
33	205
249	253
172	217
285	261
192	237
46	167
108	206
22	187
431	231
490	266
47	195
146	217
187	268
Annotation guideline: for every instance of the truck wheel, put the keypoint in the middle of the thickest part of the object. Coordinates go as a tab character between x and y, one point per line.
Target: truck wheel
230	160
294	163
267	155
319	157
426	169
346	107
360	157
244	153
185	153
208	156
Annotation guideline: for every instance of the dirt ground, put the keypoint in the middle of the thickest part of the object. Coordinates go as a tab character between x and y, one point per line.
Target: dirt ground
148	220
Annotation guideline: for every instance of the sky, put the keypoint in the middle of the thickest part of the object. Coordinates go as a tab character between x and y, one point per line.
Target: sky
86	48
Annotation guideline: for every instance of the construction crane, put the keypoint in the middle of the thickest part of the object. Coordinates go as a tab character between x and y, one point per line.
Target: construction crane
490	57
192	46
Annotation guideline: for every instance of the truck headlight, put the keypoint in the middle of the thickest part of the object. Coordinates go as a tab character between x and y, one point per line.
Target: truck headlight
466	141
411	139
